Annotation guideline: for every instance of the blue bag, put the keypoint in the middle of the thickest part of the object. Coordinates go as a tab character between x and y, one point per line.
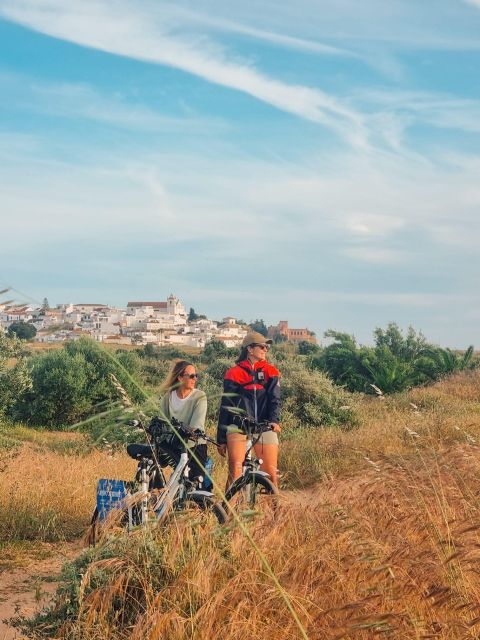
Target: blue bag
111	495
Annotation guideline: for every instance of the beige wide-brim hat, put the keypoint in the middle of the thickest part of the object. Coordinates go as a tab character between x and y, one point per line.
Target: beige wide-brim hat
255	338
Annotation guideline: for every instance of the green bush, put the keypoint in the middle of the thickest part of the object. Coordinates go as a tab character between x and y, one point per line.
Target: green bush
211	381
150	351
308	348
72	383
14	378
309	398
59	393
155	371
216	349
23	330
259	326
395	363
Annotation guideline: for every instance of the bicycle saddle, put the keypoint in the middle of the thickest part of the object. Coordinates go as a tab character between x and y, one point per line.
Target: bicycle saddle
138	451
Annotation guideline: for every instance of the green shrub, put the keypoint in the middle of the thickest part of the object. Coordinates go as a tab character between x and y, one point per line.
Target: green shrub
395	363
216	349
309	398
59	393
14	378
75	382
211	381
23	330
155	371
150	351
217	370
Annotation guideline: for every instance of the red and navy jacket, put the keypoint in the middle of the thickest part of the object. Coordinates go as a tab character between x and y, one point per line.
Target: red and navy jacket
249	390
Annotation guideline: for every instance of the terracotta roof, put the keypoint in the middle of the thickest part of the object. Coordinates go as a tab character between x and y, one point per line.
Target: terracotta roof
16	310
155	305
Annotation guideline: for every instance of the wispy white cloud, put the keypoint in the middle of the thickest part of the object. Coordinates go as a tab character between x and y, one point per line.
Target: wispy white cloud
370	213
179	37
369	28
224	25
406	107
380	59
133	31
81	100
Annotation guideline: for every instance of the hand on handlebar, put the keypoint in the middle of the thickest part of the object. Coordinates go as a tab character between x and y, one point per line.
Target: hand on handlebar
276	428
222	450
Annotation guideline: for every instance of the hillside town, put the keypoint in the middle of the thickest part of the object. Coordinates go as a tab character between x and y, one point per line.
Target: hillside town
162	323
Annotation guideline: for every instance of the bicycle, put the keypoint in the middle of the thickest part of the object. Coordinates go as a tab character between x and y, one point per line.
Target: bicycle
150	495
253	483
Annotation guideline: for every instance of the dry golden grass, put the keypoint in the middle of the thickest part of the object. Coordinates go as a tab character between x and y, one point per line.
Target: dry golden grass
49	495
437	417
391	553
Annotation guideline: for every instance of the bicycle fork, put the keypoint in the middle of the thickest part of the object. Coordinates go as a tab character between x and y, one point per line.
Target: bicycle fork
249	468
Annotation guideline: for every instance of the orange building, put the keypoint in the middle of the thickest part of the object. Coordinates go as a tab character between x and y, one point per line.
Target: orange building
293	335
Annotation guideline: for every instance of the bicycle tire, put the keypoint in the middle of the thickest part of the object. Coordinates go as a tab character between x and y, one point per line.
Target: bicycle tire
207	503
261	485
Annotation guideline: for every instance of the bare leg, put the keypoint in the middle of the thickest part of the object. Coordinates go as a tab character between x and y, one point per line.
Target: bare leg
269	454
236	448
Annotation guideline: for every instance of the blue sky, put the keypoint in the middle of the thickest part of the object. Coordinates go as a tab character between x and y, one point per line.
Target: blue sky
315	161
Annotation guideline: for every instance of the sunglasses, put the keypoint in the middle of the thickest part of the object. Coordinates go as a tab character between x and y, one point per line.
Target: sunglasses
265	347
191	376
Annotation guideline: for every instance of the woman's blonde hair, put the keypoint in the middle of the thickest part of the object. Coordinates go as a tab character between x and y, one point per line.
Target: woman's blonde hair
178	369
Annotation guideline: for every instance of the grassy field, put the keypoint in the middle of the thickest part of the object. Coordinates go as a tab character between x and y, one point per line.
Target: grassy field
47	484
376	535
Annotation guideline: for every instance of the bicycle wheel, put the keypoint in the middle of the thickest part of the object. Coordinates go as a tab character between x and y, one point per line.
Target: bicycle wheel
251	490
207	503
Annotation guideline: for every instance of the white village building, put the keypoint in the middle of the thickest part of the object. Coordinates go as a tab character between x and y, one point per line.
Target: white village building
10	314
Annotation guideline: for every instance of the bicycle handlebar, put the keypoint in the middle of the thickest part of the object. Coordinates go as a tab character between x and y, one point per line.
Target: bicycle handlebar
157	427
249	424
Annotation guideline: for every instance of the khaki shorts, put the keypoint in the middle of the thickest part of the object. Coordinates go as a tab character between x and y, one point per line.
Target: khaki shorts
267	437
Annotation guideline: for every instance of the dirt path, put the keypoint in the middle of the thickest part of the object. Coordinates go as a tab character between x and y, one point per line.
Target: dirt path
28	588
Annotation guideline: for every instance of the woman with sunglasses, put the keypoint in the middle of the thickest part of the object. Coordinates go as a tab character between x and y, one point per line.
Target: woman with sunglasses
251	388
188	405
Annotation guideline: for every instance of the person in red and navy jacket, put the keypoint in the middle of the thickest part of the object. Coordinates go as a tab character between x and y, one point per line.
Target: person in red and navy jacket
250	388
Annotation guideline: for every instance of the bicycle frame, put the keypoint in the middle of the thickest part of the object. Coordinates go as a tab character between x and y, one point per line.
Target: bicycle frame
175	489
